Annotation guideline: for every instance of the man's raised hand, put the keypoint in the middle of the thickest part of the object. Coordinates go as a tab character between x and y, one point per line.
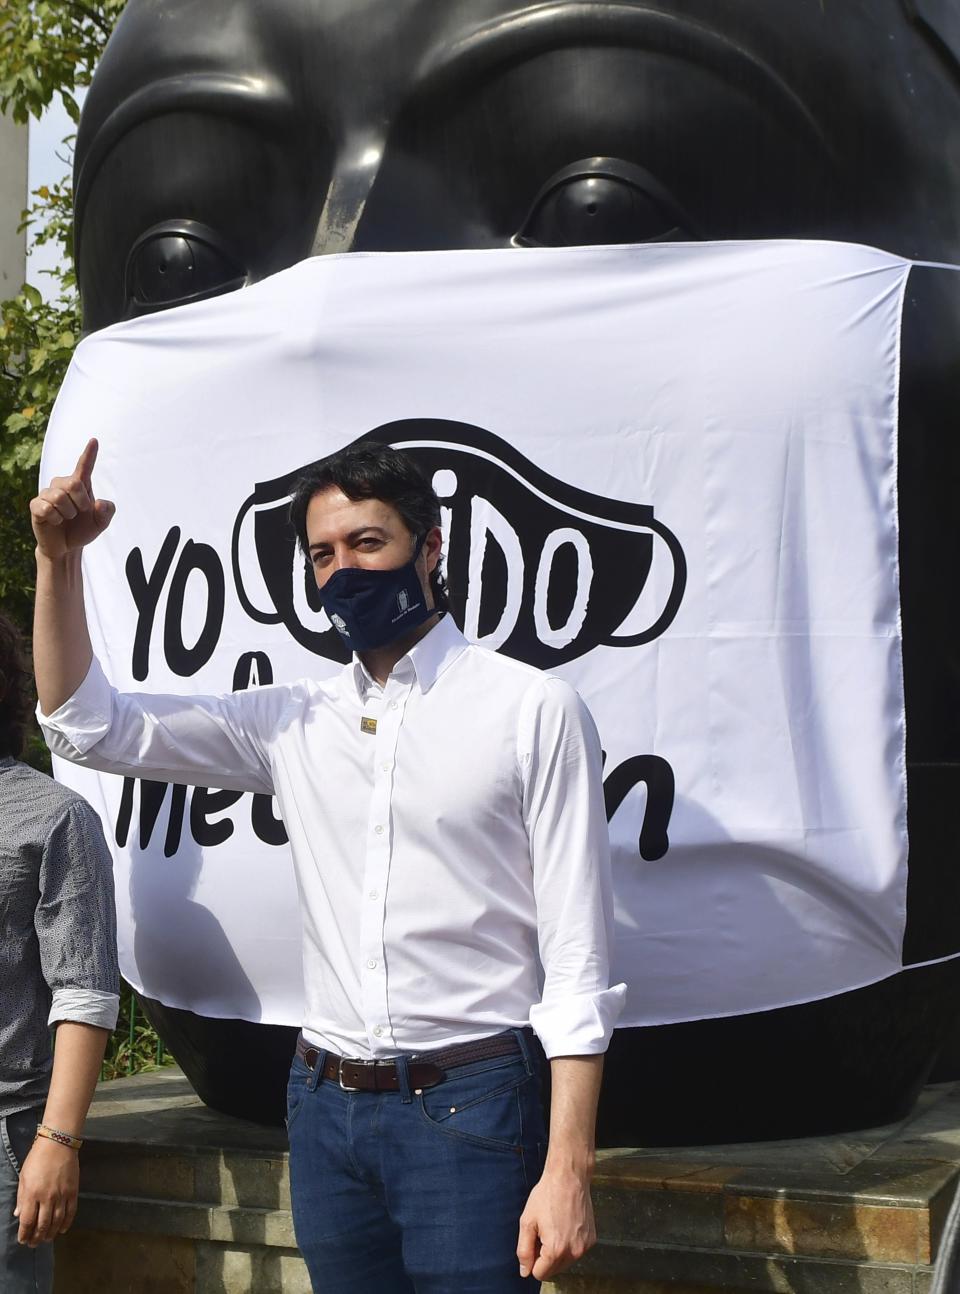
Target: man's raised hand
67	514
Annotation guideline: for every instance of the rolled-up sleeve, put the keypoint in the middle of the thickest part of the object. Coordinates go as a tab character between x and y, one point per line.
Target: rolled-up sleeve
84	1006
218	741
75	921
84	719
570	853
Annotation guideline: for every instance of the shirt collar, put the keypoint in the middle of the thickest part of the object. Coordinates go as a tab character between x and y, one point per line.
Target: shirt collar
428	658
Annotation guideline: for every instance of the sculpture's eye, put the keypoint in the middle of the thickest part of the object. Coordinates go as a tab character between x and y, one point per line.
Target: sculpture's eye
177	262
603	200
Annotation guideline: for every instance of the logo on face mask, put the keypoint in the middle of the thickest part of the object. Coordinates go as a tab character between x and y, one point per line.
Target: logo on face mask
338	623
538	569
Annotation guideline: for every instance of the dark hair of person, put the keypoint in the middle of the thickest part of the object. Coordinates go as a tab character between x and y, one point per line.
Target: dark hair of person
15	702
367	470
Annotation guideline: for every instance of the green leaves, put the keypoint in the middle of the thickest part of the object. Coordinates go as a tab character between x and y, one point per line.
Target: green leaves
37	340
48	48
133	1046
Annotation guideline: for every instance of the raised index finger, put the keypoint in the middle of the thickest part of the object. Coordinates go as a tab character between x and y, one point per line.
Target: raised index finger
85	462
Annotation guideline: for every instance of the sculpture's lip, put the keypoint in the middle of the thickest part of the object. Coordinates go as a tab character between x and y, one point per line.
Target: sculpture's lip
557	24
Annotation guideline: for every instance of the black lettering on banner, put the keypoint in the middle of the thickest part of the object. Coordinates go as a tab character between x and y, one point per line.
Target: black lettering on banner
195	558
178	800
254	669
657	775
203	560
146	594
205	802
266	825
125	812
539	569
650	770
152	796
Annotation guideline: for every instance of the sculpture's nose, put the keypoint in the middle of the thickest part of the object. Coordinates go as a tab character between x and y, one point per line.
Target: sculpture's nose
353	177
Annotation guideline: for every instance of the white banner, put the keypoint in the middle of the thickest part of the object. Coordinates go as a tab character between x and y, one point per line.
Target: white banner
668	474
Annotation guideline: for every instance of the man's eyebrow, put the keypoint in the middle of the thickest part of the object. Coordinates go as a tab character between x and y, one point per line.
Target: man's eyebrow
353	535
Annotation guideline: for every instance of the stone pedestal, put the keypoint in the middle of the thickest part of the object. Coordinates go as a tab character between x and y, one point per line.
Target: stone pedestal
180	1200
177	1199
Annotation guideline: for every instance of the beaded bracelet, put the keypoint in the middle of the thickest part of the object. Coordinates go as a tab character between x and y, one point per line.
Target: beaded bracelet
61	1138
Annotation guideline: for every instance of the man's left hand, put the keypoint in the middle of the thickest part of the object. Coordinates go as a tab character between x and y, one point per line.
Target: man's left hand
47	1195
557	1226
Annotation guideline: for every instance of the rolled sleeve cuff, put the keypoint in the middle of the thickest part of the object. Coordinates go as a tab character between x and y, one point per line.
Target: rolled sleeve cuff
84	1006
85	717
579	1025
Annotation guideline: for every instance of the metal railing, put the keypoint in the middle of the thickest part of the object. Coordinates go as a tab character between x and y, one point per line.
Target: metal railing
134	1046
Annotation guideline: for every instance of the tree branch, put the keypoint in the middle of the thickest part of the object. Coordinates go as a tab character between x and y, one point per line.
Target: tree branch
91	15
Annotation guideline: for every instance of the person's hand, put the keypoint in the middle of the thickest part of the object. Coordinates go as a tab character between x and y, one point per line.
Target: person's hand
67	514
557	1226
47	1196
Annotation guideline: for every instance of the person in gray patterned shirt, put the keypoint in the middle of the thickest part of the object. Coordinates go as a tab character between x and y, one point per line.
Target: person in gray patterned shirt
58	967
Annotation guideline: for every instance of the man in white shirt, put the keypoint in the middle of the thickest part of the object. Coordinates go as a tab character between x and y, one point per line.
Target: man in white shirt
445	813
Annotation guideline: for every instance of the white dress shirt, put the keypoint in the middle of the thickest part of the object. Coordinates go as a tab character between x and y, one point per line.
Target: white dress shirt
453	864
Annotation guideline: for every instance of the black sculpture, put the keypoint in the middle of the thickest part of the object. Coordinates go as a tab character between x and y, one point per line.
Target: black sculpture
224	141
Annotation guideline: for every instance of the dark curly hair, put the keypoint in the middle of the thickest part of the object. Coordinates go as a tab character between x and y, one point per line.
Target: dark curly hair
15	700
366	470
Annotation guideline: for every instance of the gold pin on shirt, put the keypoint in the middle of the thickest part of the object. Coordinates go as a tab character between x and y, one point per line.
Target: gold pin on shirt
368	725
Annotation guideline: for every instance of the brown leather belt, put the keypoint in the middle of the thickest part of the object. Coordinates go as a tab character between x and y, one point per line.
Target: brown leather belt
426	1069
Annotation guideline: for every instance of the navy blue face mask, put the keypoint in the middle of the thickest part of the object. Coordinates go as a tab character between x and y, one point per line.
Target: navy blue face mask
371	608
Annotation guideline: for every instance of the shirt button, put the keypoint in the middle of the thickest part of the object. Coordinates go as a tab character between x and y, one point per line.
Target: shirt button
378	829
385	767
377	1032
374	894
393	705
371	964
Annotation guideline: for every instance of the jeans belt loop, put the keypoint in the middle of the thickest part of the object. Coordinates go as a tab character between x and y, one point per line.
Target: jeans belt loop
316	1073
526	1045
403	1079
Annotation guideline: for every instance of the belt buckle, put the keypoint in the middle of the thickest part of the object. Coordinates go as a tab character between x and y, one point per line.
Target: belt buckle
344	1061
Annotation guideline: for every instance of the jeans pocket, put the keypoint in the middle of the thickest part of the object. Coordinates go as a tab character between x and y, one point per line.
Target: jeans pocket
485	1108
8	1149
17	1134
297	1090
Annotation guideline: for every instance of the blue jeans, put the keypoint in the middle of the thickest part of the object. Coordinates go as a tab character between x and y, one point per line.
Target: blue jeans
22	1270
416	1192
